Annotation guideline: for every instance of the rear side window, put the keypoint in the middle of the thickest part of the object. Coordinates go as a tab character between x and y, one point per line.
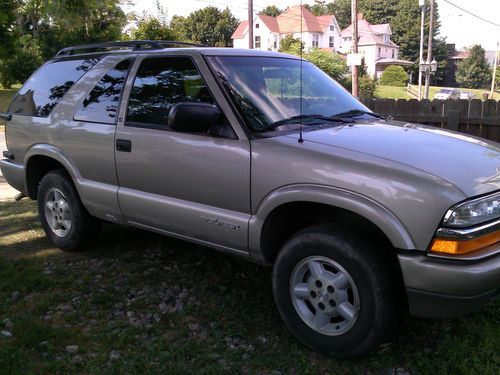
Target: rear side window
101	105
47	87
159	84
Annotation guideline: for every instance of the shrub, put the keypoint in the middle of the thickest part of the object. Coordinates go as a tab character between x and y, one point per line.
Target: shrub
394	76
329	62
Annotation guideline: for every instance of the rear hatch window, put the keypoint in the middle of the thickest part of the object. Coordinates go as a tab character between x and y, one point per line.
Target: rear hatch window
47	86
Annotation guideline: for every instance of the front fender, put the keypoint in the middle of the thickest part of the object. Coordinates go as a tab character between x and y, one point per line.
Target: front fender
379	215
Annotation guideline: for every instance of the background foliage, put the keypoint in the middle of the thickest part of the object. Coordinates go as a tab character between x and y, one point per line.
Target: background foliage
394	76
474	72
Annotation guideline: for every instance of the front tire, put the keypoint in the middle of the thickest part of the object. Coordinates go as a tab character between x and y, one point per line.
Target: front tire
333	291
64	219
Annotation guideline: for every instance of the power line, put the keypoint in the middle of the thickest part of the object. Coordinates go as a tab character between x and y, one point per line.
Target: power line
472	14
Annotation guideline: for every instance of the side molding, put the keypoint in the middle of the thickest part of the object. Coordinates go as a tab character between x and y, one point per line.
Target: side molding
384	219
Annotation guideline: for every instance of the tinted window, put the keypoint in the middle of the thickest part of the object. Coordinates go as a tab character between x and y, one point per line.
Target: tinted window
162	82
102	103
47	87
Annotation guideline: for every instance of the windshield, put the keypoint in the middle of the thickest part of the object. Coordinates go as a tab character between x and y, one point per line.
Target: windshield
267	90
444	91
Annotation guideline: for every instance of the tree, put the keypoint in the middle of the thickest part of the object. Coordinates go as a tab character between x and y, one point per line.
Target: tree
151	28
474	72
7	20
208	26
291	45
320	8
329	62
271	10
394	75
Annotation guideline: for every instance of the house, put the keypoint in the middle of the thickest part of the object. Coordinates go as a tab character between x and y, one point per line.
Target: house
315	31
375	44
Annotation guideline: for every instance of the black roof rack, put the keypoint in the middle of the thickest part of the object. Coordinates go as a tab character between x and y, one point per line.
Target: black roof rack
133	45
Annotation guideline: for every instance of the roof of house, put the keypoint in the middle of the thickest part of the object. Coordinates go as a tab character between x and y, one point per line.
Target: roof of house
368	33
389	61
293	20
270	22
460	55
240	30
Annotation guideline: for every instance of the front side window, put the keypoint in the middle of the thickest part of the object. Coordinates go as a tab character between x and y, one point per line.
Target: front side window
161	83
48	85
257	41
101	105
315	41
268	89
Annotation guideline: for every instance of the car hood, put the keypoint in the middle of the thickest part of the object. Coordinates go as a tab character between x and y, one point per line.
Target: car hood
471	164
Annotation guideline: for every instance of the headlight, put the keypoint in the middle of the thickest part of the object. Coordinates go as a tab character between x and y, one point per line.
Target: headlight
473	212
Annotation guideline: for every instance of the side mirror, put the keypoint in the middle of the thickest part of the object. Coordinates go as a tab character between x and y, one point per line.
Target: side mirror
193	117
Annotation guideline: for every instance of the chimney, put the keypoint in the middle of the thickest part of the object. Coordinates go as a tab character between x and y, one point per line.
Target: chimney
360	16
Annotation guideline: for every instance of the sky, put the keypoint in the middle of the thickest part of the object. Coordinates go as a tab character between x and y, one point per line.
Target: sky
456	25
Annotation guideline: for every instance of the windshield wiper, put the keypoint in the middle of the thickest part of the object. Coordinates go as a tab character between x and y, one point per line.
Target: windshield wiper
305	117
358	112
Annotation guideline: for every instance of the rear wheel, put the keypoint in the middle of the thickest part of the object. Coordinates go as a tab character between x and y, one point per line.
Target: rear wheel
64	218
333	291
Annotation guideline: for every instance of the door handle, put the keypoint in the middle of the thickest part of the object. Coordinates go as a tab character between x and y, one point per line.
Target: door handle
123	145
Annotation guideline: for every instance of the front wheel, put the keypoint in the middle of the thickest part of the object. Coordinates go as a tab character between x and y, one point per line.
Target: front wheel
333	291
64	219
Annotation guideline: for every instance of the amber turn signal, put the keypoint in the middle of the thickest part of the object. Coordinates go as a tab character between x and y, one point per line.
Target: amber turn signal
454	247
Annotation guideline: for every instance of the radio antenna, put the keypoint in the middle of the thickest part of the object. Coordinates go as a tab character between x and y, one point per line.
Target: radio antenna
301	140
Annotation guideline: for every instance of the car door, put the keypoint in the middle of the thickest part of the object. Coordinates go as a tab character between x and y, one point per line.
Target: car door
190	185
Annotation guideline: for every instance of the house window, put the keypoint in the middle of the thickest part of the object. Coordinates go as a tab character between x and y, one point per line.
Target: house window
257	41
315	42
331	42
256	25
392	53
379	50
332	28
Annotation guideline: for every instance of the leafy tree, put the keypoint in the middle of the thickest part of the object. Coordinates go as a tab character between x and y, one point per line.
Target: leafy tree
497	78
329	62
394	75
320	8
271	10
7	20
151	28
208	26
21	64
474	72
291	45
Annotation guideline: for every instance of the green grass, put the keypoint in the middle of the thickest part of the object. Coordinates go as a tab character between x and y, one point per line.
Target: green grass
394	92
391	92
227	324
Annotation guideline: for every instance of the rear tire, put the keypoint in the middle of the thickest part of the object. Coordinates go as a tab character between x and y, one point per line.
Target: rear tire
64	219
333	291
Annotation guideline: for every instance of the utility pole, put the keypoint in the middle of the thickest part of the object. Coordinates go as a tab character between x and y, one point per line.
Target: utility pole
250	24
421	3
429	51
495	64
354	18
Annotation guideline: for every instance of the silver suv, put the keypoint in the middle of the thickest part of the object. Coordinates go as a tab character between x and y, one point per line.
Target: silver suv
262	155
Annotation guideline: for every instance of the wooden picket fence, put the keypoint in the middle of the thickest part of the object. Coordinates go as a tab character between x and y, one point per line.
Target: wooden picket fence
475	117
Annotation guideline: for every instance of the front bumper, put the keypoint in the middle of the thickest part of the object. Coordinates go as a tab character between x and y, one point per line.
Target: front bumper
442	288
14	174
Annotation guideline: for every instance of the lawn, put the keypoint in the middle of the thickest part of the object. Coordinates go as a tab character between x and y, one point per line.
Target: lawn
139	303
395	92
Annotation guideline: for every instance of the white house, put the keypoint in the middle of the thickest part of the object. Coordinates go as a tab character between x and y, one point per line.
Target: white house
375	44
317	31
